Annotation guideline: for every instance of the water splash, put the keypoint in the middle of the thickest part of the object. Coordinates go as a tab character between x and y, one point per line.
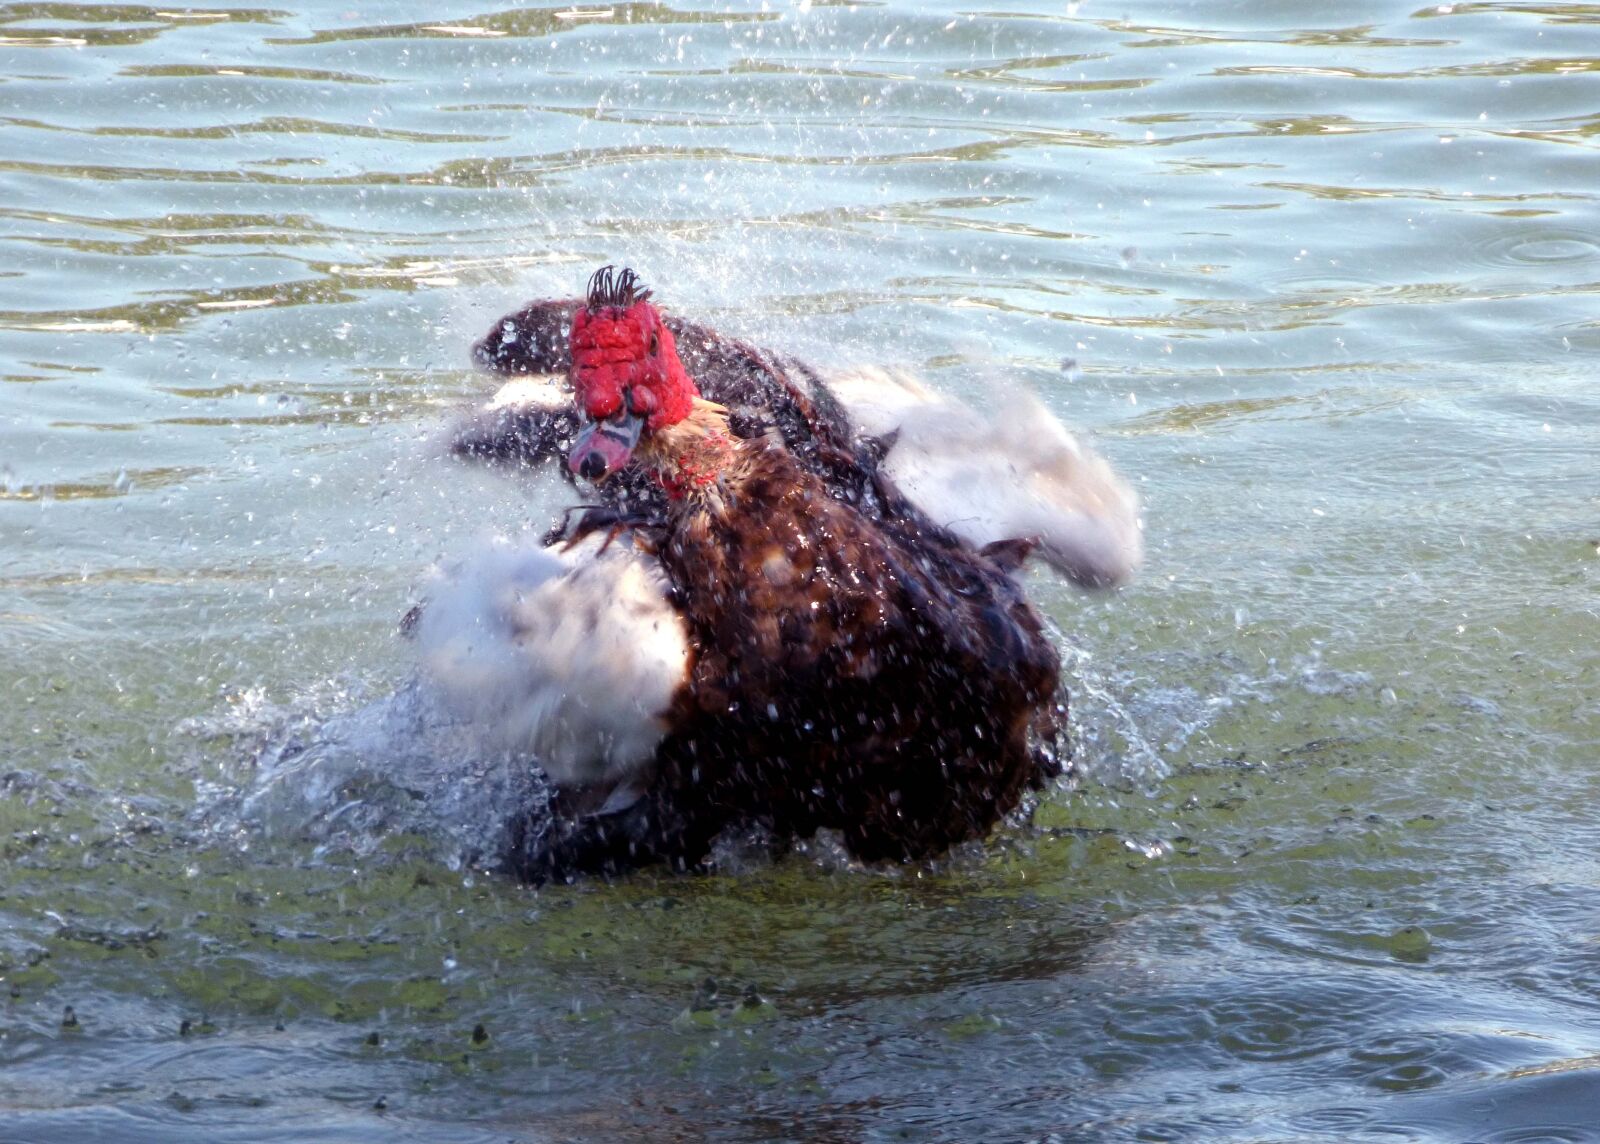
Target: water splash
1132	733
350	782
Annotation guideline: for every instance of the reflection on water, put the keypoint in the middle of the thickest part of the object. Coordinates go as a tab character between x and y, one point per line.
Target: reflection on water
1321	281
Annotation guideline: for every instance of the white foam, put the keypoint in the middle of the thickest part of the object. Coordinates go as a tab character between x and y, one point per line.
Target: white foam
348	781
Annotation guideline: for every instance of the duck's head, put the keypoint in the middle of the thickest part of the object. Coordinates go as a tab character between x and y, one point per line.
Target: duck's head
626	374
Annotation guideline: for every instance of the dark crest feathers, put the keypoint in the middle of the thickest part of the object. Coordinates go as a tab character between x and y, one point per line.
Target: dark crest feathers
609	286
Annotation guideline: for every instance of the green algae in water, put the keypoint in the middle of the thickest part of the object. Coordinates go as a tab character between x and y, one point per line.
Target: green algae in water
1340	333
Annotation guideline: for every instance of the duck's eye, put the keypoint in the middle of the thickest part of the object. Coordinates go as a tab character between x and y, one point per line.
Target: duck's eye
655	343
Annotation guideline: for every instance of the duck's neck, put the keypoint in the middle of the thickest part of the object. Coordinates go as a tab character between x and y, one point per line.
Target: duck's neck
694	457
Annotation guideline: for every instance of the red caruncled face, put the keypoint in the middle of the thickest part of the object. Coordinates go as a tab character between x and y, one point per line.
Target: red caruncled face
624	360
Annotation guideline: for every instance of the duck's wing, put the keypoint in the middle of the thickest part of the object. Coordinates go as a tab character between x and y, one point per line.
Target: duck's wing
994	479
532	340
571	659
528	421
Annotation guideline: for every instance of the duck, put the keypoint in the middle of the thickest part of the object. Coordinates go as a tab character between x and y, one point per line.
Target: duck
754	624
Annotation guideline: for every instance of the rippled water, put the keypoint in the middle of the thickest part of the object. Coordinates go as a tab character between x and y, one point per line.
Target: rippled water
1322	279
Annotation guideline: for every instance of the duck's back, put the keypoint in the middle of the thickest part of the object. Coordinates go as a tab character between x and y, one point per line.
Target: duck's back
877	677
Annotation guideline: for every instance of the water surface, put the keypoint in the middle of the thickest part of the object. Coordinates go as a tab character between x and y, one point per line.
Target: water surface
1320	279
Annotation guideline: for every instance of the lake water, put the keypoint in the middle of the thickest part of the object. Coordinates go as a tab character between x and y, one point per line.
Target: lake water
1321	279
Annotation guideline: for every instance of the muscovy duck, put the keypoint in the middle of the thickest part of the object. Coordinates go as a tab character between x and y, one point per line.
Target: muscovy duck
753	648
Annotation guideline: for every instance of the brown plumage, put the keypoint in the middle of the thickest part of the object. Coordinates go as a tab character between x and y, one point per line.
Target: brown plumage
879	678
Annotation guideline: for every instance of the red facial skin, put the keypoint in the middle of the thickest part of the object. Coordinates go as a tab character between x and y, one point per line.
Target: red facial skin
618	353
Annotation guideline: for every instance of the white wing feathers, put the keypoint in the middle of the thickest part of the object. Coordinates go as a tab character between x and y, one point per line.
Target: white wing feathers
1021	475
570	657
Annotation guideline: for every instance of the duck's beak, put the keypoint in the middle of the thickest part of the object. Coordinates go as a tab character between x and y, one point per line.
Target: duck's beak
603	447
